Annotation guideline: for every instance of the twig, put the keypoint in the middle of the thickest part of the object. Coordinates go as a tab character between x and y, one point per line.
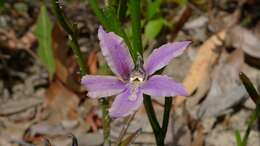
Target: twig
184	17
125	128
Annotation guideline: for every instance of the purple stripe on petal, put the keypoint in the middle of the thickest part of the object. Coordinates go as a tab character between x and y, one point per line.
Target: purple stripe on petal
161	86
122	106
163	55
102	86
116	53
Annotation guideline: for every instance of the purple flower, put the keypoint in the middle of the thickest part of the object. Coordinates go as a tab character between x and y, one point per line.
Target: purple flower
132	82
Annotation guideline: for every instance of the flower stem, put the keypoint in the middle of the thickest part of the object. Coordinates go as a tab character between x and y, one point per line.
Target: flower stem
70	29
249	127
72	32
159	133
157	130
105	121
134	8
166	114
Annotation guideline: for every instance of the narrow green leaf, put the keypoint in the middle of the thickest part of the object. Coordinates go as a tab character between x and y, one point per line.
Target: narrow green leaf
153	8
109	19
112	3
100	15
249	87
153	28
43	34
166	114
134	8
2	3
128	140
151	115
122	8
115	25
238	138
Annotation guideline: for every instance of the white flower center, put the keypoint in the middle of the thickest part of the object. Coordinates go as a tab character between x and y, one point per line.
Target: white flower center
135	80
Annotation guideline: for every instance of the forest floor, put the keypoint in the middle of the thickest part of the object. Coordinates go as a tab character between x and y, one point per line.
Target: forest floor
225	41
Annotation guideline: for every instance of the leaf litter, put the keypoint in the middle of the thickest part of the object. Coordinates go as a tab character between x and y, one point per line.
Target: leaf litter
55	108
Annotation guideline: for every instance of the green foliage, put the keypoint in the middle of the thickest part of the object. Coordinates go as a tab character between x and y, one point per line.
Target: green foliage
153	28
249	87
153	22
122	9
2	2
43	34
109	19
104	69
72	31
181	2
238	138
153	9
256	113
134	8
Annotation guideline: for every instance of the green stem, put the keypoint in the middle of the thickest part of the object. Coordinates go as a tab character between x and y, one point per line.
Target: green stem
159	133
105	121
248	130
111	3
72	32
121	10
153	121
100	15
134	8
166	114
75	48
238	138
68	27
109	19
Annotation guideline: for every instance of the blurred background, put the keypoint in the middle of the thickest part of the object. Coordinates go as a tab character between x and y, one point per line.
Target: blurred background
40	92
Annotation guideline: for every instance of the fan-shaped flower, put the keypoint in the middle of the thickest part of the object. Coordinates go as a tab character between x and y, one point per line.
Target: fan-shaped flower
130	82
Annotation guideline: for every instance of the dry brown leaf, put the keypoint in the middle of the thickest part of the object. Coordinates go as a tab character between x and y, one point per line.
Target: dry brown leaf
199	138
206	57
92	62
60	49
64	62
61	102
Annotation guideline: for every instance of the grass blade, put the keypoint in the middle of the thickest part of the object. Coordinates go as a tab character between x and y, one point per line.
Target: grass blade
43	34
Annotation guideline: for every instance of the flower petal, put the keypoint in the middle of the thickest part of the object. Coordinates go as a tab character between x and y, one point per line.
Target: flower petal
123	106
162	56
116	53
102	86
162	86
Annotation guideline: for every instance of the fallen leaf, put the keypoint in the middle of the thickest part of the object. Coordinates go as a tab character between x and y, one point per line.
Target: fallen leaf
65	67
226	90
61	102
206	57
43	33
60	52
